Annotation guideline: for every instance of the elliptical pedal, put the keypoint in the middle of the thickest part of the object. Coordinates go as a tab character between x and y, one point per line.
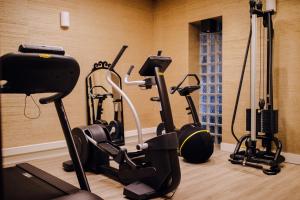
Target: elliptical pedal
109	148
139	191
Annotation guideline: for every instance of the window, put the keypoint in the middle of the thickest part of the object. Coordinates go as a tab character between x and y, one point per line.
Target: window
211	83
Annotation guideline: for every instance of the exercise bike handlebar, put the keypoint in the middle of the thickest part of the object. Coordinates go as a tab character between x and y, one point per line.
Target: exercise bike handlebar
142	83
128	82
113	64
175	88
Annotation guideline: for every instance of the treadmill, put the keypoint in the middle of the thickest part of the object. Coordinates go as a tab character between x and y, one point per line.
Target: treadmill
41	69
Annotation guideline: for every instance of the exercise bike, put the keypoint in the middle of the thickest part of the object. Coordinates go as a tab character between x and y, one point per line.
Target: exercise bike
196	145
151	171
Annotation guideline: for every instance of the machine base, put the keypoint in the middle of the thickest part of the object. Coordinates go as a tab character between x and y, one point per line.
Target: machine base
262	160
267	161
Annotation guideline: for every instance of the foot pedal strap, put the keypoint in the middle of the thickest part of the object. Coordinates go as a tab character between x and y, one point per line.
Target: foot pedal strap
138	173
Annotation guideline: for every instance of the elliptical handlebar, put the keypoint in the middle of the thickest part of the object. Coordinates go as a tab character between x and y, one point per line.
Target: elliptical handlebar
114	63
175	88
141	145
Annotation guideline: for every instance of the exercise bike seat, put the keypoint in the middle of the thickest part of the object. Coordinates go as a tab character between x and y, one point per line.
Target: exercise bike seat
188	90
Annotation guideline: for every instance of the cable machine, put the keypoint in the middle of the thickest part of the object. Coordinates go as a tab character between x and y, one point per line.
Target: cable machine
261	121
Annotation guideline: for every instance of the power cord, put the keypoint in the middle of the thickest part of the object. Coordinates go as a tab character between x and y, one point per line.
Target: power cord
25	108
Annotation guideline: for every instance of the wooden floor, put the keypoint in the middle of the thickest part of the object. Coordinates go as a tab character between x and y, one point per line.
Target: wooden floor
214	180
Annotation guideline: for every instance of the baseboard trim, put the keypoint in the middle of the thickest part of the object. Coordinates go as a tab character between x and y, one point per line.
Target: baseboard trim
13	151
289	157
47	150
133	133
21	158
227	147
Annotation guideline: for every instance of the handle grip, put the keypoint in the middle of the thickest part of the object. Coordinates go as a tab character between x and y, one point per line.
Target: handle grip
173	90
195	77
130	70
154	99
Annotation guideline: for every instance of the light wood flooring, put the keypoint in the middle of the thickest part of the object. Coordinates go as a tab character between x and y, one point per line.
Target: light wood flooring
217	179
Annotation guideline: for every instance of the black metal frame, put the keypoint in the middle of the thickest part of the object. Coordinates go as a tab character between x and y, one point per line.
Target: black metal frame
102	65
193	110
71	145
252	156
166	113
186	93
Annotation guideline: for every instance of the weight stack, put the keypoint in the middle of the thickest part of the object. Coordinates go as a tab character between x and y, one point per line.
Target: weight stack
269	123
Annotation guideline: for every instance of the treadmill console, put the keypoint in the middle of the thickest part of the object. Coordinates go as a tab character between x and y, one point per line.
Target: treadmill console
26	48
148	68
30	73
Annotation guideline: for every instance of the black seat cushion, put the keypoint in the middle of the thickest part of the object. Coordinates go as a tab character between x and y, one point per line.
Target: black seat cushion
188	90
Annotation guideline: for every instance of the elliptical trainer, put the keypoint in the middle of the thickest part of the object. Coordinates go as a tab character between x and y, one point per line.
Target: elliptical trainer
151	171
96	94
262	122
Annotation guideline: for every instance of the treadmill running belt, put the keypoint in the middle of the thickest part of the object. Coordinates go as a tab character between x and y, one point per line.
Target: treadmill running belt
31	187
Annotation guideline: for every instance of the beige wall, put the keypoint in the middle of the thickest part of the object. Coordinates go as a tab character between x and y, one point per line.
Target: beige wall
173	34
98	30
